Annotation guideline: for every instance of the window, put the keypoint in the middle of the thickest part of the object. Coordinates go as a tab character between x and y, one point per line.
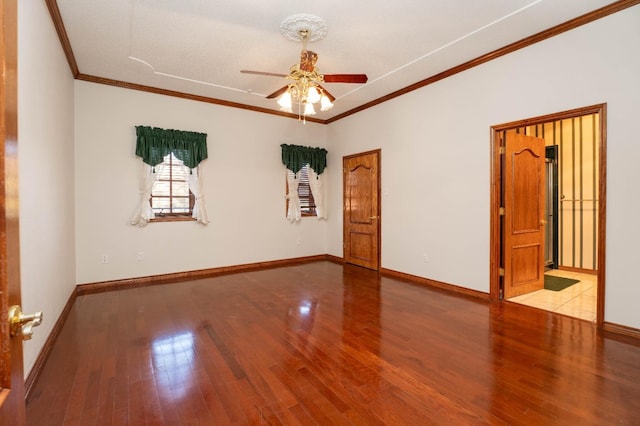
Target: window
171	198
307	203
170	182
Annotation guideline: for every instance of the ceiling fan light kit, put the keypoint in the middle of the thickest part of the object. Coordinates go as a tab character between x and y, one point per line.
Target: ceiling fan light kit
305	87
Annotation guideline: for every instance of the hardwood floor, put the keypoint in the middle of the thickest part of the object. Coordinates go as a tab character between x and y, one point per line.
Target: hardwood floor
320	343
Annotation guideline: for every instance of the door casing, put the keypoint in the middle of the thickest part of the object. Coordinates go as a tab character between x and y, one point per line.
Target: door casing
495	239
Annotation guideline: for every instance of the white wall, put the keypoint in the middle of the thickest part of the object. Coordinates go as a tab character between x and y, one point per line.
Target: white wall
244	184
436	155
45	136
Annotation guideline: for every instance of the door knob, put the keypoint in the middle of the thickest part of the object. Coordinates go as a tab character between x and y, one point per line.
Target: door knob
373	217
21	324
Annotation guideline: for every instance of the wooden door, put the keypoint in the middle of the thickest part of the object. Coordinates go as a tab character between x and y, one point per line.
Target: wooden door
524	203
12	411
361	182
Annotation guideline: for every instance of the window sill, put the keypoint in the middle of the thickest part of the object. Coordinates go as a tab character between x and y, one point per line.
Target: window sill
173	219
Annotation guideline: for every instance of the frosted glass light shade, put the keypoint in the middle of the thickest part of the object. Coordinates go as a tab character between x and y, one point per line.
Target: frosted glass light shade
312	95
308	109
325	103
285	101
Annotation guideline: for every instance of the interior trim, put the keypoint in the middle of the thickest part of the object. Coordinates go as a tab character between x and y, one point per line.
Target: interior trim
54	11
587	18
189	96
580	270
31	379
622	330
175	277
452	288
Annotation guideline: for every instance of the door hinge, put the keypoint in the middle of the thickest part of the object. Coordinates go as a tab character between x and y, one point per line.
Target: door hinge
501	150
501	211
501	272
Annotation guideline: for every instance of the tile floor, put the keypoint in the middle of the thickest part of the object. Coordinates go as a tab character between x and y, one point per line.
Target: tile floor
578	300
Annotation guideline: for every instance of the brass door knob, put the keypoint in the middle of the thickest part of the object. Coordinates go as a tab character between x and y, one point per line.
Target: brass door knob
21	324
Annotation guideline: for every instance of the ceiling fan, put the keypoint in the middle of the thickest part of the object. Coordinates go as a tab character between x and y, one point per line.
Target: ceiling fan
305	79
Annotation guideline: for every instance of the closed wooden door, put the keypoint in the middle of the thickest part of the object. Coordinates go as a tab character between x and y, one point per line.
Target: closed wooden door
361	181
524	203
11	374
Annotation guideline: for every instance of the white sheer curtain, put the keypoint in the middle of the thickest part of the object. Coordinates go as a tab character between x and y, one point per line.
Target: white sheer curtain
144	212
316	183
195	185
293	211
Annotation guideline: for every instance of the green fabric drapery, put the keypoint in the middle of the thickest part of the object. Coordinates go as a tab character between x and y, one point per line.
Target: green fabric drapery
294	157
153	144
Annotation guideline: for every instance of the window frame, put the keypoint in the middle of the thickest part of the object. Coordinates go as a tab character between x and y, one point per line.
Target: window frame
172	216
312	211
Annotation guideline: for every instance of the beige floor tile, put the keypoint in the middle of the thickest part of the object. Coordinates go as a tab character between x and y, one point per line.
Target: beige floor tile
578	300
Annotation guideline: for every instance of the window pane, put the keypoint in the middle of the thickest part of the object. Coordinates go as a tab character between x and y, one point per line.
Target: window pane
179	173
180	205
170	193
307	203
160	205
161	188
180	189
163	173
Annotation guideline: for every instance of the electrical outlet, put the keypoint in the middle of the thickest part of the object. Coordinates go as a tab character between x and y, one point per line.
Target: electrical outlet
298	241
140	256
105	258
425	257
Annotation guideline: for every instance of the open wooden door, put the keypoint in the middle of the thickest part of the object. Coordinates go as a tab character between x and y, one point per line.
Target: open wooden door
524	208
361	181
12	410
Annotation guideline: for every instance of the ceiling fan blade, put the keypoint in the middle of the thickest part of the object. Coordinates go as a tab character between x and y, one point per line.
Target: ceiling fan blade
270	74
278	92
329	95
345	78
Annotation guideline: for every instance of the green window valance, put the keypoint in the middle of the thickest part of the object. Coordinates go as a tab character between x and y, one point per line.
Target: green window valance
294	157
153	144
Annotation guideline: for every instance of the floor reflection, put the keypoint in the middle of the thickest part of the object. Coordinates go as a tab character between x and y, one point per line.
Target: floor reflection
361	317
173	356
302	316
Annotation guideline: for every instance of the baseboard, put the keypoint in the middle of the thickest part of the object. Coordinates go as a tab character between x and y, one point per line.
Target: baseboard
102	286
334	259
622	330
437	284
48	344
580	270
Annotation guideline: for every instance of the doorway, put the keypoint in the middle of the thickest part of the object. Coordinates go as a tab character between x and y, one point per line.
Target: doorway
361	213
574	215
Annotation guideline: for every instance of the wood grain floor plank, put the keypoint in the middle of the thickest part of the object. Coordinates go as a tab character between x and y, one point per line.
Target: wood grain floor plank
322	343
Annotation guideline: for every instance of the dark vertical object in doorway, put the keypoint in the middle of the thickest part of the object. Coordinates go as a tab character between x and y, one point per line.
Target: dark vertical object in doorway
561	165
594	196
581	194
551	259
573	191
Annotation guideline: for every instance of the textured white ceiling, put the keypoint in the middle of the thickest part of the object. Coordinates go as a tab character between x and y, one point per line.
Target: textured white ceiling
199	46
